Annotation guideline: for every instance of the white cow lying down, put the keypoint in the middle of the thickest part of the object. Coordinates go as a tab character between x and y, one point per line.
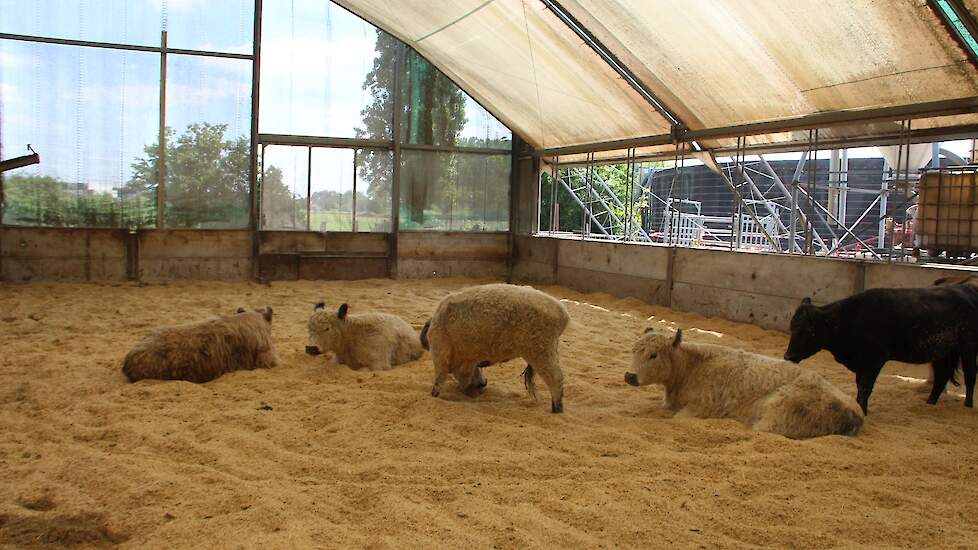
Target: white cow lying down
768	394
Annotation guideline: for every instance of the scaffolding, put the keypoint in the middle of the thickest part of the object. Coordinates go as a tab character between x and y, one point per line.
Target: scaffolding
817	205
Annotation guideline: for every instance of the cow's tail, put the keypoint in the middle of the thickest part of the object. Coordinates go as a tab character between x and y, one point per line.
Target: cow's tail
528	382
954	375
424	335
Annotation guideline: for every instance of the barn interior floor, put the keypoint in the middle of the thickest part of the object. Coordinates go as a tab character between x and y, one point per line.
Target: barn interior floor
315	454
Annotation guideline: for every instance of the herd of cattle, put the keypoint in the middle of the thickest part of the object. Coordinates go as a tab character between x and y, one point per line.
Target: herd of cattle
479	326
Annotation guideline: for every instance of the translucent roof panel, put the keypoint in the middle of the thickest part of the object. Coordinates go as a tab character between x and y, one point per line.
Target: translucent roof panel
728	62
523	64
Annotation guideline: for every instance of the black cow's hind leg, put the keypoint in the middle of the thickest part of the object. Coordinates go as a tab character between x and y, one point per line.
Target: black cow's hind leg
968	357
943	370
865	380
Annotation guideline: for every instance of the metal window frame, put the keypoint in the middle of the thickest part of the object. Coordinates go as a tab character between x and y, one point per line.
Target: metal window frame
129	47
164	50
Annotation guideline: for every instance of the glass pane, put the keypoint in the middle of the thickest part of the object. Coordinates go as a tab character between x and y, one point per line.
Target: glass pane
325	72
284	187
120	22
208	113
454	191
481	129
437	112
374	168
332	189
93	117
211	25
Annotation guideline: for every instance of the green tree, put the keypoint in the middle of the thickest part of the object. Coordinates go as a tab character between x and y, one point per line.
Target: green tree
376	166
35	200
434	114
571	219
207	177
281	209
49	201
207	182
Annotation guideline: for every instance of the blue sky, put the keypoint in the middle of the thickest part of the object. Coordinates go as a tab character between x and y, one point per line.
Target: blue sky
90	112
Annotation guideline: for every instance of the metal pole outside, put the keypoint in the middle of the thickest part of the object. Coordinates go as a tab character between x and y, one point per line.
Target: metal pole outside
161	184
396	171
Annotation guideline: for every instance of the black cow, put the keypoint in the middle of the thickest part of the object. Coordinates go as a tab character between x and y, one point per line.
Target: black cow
936	325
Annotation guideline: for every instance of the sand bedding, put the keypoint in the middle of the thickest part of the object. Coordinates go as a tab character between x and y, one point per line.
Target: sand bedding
312	454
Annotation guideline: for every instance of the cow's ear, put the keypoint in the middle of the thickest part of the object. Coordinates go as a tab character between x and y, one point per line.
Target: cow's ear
678	339
806	301
342	311
240	310
267	314
647	330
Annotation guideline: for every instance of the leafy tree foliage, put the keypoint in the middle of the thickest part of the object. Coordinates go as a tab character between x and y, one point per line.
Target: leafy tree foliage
438	189
207	182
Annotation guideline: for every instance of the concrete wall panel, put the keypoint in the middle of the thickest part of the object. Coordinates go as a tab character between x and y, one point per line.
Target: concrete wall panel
767	274
902	275
422	254
278	267
368	244
423	269
534	273
651	291
51	254
441	245
338	269
290	242
535	249
763	310
187	254
624	259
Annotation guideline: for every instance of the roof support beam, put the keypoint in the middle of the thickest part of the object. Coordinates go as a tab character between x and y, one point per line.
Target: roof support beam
924	135
604	53
826	119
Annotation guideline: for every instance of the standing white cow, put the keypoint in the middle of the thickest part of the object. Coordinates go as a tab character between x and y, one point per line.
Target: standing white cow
476	327
768	394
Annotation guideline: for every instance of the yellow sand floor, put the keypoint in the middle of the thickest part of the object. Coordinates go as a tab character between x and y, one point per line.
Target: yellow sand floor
312	454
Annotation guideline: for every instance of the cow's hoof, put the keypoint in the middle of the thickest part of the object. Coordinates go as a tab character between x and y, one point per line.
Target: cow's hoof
969	404
931	401
557	406
435	390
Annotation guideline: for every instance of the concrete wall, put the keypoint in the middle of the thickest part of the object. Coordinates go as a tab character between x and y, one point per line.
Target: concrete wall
423	254
49	254
190	254
110	255
57	254
291	255
763	289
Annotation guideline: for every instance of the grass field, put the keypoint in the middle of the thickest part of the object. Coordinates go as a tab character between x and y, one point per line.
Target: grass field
332	220
323	220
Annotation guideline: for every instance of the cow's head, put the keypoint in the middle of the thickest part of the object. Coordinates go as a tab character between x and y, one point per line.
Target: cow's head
265	313
652	357
809	332
472	380
324	328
